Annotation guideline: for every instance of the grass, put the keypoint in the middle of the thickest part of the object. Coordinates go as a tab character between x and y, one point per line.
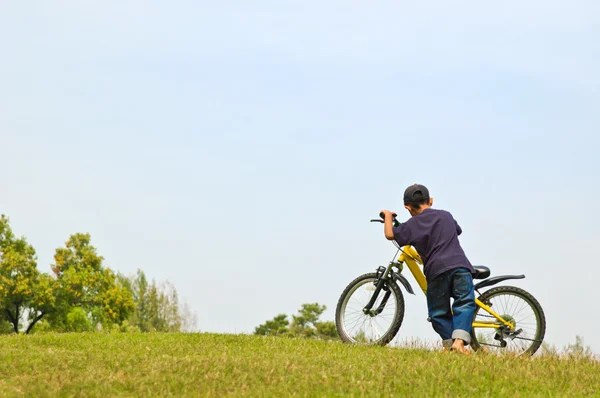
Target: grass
215	365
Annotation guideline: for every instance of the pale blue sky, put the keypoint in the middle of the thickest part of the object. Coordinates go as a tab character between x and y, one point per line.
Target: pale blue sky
238	149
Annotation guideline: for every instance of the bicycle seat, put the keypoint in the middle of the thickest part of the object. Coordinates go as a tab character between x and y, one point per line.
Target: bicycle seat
482	272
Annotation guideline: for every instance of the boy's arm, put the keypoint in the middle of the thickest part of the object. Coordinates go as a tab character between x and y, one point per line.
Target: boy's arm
388	224
401	234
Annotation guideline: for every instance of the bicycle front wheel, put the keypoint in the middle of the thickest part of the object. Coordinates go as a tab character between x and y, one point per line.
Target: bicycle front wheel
514	305
354	326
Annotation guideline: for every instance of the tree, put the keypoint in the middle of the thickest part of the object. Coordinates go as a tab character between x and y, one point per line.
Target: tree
276	326
327	330
80	294
77	320
25	293
156	306
305	324
163	308
83	282
44	300
189	319
578	349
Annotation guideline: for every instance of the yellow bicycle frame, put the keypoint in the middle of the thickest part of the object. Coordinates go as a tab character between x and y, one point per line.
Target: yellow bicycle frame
412	259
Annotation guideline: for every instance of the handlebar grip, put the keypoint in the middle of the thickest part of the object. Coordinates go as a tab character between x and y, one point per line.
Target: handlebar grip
394	215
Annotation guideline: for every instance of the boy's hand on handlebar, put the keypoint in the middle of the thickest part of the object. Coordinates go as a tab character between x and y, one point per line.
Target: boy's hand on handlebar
384	213
388	221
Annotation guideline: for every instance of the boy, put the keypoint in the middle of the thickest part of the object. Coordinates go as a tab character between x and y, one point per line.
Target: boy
434	233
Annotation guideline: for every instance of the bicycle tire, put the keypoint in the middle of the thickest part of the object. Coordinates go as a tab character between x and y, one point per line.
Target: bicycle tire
395	324
527	297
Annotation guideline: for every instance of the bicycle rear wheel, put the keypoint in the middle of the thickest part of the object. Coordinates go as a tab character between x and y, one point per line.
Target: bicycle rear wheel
354	326
515	305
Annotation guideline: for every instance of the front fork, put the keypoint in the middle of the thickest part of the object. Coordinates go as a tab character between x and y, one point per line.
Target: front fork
383	274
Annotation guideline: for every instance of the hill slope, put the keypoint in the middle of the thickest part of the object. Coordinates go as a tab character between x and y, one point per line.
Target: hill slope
208	364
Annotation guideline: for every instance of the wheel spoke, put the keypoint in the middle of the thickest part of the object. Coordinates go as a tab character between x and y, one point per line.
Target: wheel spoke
518	307
366	328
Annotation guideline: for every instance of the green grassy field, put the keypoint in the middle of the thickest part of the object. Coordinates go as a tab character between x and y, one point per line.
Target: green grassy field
216	365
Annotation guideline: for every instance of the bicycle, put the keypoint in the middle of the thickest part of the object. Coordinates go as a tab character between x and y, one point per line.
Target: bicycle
507	318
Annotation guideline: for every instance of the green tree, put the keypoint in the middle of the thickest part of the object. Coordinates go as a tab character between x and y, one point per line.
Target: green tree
25	293
81	293
276	326
156	306
83	282
44	299
578	349
305	324
327	330
77	320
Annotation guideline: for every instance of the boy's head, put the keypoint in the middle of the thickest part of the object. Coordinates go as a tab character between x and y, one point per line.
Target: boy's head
416	199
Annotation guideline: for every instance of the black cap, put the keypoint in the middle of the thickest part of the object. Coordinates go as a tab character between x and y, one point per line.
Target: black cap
415	195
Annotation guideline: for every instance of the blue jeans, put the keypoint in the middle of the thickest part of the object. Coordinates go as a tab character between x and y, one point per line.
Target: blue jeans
452	323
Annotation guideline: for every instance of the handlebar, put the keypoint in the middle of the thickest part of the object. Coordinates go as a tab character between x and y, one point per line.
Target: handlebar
380	220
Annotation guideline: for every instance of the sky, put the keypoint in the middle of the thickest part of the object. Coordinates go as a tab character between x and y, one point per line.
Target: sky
238	149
